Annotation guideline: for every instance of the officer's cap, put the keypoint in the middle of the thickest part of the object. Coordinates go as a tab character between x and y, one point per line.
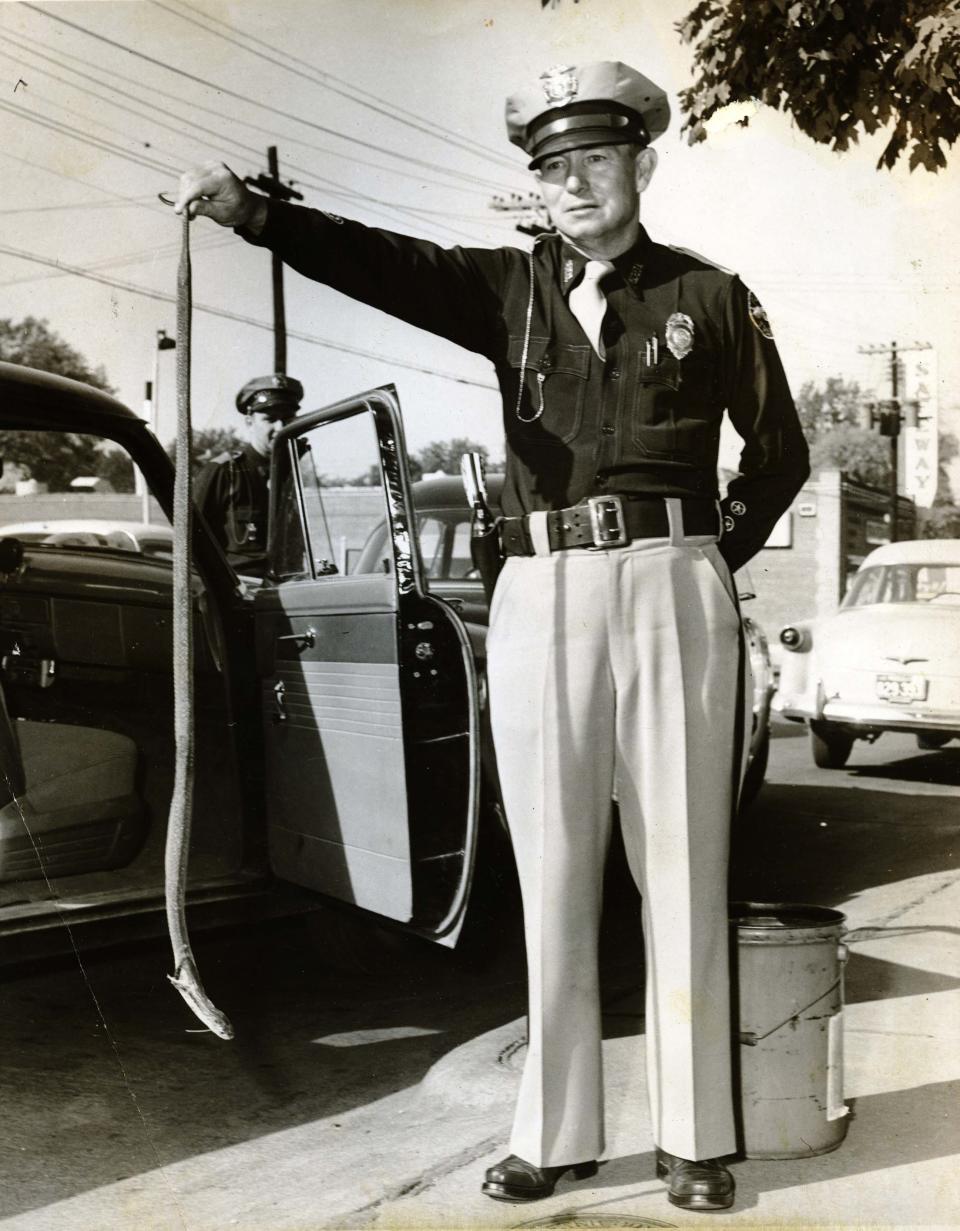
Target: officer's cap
278	396
572	106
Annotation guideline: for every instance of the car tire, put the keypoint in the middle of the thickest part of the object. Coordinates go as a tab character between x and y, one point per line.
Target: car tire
930	742
756	772
829	745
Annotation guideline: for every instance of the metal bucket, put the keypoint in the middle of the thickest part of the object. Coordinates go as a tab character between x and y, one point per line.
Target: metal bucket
789	992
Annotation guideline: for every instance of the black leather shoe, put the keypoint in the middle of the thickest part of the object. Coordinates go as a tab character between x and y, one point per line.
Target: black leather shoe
702	1185
514	1179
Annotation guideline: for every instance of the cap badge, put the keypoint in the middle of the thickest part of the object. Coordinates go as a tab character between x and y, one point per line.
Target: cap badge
758	314
679	334
560	84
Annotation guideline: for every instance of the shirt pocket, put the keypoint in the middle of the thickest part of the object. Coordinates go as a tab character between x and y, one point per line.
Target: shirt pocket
675	413
554	378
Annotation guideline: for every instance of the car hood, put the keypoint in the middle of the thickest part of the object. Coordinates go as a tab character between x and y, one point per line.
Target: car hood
891	637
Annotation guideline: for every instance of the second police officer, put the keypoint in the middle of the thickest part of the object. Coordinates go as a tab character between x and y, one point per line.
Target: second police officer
615	653
232	488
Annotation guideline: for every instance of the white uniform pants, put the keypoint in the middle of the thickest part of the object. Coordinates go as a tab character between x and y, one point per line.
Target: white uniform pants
616	671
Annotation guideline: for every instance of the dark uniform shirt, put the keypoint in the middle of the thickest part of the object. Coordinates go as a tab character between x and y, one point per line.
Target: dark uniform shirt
232	494
646	420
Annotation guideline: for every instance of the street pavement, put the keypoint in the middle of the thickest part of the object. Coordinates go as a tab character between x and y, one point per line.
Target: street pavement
877	840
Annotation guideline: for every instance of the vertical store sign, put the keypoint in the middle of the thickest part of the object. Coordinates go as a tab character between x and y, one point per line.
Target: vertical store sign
920	444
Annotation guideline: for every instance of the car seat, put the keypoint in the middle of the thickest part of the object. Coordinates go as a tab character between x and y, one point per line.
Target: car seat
68	799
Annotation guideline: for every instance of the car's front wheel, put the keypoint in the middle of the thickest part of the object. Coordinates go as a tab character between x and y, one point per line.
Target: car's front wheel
829	745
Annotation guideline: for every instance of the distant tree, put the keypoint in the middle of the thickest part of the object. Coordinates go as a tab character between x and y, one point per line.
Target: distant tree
444	455
837	67
208	443
863	455
52	458
115	465
823	408
439	455
33	343
829	416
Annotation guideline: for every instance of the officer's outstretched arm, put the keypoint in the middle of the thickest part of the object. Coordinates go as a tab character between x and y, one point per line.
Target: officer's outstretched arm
215	192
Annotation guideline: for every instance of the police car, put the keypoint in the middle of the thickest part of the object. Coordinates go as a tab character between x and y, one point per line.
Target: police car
888	660
342	748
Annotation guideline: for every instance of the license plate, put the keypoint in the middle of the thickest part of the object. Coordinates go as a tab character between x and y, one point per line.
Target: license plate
902	687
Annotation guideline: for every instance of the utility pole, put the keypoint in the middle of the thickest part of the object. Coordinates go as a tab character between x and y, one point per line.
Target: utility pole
271	185
151	407
887	418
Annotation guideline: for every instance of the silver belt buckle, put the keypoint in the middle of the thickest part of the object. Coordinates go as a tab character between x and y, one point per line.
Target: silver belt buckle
606	521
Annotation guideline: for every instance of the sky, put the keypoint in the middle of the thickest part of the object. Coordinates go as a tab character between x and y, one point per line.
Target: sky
391	112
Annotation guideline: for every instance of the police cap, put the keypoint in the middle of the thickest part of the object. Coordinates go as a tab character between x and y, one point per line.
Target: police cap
278	396
572	106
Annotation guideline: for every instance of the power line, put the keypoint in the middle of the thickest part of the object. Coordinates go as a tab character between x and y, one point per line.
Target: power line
43	209
287	115
105	146
81	116
164	297
24	43
134	258
326	186
149	203
321	77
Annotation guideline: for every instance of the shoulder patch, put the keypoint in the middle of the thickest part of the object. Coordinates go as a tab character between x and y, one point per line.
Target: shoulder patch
758	314
698	256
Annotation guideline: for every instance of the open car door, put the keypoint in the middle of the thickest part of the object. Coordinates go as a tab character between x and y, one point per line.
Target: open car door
369	692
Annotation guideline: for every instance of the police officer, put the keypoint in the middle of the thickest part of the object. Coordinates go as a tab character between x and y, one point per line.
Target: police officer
231	490
615	652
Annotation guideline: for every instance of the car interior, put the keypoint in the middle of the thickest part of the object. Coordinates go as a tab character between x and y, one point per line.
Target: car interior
86	730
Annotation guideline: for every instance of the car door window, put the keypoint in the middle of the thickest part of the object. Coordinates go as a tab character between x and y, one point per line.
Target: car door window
325	524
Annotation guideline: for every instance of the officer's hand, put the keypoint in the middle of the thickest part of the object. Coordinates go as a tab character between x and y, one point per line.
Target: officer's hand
215	192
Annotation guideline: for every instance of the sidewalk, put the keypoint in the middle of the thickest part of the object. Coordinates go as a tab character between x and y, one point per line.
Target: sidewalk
897	1167
416	1159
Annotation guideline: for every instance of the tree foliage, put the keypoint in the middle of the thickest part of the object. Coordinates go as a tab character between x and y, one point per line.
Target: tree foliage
830	419
52	458
864	456
838	67
444	455
829	415
823	408
437	457
207	443
116	466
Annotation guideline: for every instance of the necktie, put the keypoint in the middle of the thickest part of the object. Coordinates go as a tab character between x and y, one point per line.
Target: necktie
588	302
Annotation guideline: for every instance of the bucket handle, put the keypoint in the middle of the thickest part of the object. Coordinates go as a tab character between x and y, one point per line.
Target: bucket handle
751	1039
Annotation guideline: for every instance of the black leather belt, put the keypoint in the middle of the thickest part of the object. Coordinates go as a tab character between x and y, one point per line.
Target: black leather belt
609	521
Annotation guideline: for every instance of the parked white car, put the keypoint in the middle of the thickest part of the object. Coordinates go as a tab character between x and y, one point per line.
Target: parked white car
889	660
147	539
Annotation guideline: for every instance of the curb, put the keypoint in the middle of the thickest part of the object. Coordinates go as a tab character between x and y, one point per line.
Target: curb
481	1073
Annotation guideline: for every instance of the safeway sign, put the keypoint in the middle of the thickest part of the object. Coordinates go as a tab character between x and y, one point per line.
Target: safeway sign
920	452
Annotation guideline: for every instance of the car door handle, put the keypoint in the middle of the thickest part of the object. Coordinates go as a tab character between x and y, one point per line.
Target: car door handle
308	637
